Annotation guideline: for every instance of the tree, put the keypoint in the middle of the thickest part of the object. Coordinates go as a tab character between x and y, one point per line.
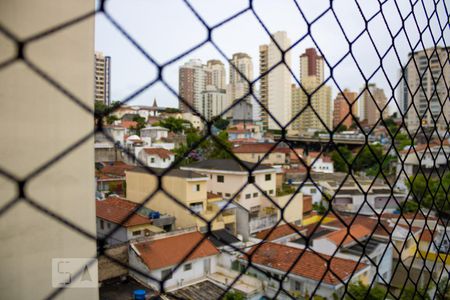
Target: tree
111	119
341	128
233	296
221	124
319	208
357	291
341	159
410	206
412	292
443	289
173	124
140	123
431	193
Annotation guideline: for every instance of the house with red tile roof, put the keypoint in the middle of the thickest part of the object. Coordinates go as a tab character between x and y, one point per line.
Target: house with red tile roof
170	257
119	220
156	157
110	177
307	270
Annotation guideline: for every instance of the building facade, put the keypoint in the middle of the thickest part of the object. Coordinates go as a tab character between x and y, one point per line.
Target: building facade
427	73
193	79
276	87
374	101
102	78
343	104
311	77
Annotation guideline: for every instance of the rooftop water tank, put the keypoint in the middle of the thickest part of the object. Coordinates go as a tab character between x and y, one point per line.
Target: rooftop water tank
139	294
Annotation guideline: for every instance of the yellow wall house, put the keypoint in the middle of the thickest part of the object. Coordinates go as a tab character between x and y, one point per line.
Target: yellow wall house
189	188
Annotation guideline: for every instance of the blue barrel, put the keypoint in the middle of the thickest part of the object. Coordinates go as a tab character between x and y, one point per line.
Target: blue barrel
139	294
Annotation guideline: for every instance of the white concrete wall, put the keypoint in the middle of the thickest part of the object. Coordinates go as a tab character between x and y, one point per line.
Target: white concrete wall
37	123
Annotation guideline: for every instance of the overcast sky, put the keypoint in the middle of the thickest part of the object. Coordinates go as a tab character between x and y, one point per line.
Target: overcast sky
166	28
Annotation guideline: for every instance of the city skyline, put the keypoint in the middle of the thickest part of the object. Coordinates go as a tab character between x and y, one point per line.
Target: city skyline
233	37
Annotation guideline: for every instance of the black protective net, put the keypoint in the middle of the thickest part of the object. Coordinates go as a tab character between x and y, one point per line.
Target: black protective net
414	238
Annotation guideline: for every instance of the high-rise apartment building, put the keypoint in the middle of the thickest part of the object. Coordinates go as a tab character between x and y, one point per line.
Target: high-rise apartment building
102	78
193	79
214	102
343	104
311	64
320	101
217	69
276	89
428	72
311	76
241	72
373	101
264	83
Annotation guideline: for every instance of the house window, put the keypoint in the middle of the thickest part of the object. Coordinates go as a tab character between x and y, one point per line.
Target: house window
187	267
102	224
196	188
152	160
219	193
108	225
268	177
136	233
313	191
220	178
255	195
271	192
166	274
297	285
196	207
248	196
227	195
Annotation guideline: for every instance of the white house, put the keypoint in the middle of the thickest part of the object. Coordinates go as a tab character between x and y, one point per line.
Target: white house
159	256
115	211
156	157
308	273
320	163
156	133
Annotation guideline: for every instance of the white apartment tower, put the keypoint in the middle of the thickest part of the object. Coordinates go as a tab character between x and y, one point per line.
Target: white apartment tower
428	72
276	89
214	102
217	69
102	78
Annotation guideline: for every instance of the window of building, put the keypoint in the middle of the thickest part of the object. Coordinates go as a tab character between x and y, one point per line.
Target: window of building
108	225
227	195
166	274
313	191
196	207
187	267
268	177
271	192
248	196
102	224
196	188
152	160
137	232
255	195
220	178
297	285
